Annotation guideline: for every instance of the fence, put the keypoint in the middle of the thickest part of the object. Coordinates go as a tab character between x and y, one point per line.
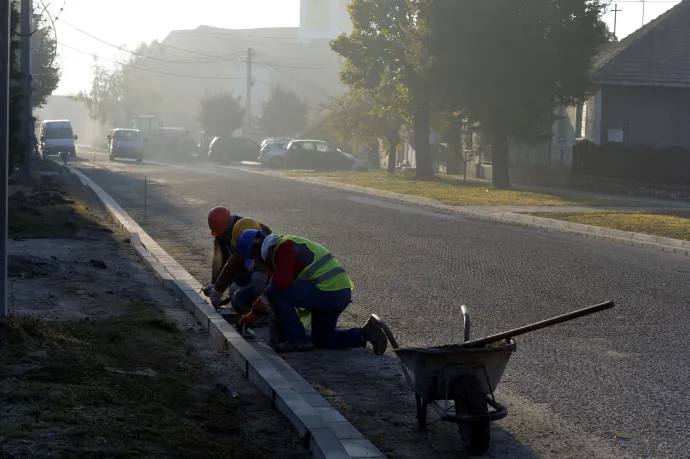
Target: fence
555	157
641	163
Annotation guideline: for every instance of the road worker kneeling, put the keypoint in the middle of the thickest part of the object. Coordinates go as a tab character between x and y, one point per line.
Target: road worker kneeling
305	275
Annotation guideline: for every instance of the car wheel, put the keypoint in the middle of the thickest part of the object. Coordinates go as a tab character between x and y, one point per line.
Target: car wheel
277	162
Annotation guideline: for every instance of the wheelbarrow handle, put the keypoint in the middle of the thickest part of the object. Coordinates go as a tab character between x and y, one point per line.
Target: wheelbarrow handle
538	325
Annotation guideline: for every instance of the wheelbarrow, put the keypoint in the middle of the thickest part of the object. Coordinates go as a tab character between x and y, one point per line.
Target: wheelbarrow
458	381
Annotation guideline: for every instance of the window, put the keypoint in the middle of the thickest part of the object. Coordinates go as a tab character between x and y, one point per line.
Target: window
57	132
323	147
579	121
308	146
127	135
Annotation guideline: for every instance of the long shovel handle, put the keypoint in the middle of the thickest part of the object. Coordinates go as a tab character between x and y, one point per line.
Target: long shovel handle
538	325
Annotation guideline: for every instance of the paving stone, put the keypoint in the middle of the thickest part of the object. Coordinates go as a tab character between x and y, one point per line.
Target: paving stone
299	412
324	444
361	449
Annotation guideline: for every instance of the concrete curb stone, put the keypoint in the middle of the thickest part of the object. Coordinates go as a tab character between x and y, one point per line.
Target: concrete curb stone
326	433
647	241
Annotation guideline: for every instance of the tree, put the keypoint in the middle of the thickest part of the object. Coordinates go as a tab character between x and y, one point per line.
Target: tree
387	53
44	64
356	116
221	114
284	114
119	94
509	64
46	76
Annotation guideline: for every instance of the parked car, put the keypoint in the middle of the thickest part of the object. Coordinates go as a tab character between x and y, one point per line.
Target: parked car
316	154
273	153
226	149
126	143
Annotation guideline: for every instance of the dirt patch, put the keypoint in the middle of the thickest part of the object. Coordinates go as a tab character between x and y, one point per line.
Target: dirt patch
52	206
97	360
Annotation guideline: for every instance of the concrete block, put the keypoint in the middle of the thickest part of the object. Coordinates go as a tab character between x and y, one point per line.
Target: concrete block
644	238
686	244
600	230
526	218
316	400
324	444
362	449
345	431
510	216
181	287
300	413
542	221
264	376
204	313
579	228
621	234
241	353
670	242
329	414
134	239
559	224
221	331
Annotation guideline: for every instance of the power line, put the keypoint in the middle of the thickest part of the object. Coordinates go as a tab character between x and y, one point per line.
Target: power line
249	37
219	59
194	77
229	37
310	84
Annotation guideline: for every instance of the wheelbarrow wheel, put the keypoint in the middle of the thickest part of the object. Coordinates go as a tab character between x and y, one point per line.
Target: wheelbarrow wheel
421	412
476	435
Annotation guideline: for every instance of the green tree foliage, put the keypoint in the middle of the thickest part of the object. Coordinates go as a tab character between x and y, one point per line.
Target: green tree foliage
509	64
387	53
45	79
44	63
119	94
357	117
284	114
221	114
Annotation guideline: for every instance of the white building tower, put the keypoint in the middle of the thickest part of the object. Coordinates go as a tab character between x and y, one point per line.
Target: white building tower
323	19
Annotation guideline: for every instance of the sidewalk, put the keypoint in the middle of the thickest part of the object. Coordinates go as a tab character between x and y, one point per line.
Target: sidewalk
96	358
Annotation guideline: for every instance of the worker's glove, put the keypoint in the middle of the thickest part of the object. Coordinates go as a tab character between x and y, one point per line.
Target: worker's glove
207	290
247	320
215	297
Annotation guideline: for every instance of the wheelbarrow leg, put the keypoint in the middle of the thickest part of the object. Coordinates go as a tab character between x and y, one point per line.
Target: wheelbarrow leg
421	412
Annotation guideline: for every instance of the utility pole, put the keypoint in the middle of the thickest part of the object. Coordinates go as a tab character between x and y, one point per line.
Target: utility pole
615	21
643	5
248	101
27	89
5	14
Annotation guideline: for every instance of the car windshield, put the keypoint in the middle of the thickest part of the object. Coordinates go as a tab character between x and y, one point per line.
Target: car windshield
127	135
58	132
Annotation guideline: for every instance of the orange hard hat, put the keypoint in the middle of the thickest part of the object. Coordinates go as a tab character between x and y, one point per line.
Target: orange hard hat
218	220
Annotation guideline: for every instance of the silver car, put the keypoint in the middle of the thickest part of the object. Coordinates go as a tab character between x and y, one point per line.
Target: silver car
274	153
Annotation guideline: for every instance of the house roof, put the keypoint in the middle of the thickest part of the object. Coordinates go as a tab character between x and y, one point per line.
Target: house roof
658	53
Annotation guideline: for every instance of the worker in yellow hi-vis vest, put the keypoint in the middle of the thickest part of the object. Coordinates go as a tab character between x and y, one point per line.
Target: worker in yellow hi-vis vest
306	275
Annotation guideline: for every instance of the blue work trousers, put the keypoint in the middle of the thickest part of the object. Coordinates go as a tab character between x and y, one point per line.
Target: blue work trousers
325	308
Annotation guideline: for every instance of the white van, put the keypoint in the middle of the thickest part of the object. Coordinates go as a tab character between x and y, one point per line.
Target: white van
57	137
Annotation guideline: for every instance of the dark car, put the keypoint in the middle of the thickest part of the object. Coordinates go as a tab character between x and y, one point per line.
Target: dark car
316	154
226	149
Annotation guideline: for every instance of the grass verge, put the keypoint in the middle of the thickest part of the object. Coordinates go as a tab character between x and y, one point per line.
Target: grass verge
453	191
674	225
124	387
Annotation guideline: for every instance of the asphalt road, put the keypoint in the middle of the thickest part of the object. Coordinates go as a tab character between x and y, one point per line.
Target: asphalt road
621	376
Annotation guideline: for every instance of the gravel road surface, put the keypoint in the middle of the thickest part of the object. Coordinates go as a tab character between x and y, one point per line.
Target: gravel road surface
611	385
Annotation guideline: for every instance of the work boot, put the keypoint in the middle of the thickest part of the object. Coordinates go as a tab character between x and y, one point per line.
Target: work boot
373	333
303	345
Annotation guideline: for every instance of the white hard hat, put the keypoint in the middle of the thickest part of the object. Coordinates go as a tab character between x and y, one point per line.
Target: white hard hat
269	241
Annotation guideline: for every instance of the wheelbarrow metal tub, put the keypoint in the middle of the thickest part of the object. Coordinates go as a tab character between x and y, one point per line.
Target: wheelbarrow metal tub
435	373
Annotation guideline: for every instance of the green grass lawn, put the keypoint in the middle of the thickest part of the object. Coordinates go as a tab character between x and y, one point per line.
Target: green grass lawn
675	225
453	191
